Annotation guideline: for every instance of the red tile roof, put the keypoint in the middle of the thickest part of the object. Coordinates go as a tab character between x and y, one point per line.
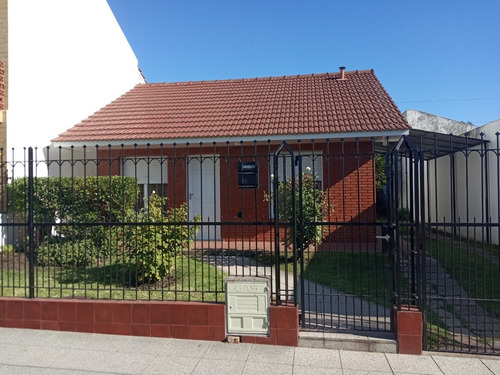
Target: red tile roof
274	106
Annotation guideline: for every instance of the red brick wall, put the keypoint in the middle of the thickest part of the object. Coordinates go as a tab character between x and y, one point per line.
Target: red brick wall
185	320
348	180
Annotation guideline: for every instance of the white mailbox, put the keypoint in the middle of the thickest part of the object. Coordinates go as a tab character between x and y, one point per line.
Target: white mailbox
247	305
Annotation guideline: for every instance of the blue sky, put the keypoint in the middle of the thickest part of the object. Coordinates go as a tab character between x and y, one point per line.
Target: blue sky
441	57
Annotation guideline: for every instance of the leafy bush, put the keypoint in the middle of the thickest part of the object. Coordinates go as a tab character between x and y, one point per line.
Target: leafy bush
61	252
151	248
404	214
74	200
380	174
6	249
314	209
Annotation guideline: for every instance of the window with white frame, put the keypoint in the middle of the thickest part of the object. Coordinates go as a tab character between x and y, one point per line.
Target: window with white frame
151	175
311	163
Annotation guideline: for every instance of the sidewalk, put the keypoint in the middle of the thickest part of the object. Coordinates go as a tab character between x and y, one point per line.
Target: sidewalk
24	351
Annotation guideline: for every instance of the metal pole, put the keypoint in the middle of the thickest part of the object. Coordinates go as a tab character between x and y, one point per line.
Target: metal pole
276	230
31	227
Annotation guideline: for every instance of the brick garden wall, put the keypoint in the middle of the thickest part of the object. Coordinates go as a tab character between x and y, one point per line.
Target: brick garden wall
184	320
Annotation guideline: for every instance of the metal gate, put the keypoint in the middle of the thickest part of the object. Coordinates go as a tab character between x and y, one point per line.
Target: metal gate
431	240
329	235
444	215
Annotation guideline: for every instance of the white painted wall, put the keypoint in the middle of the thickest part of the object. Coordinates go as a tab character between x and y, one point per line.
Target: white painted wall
476	186
67	59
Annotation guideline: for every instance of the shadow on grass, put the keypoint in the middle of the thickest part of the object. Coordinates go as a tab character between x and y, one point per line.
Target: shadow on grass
117	274
365	275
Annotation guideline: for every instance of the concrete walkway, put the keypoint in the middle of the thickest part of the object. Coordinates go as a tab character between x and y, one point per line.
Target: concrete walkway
325	308
24	351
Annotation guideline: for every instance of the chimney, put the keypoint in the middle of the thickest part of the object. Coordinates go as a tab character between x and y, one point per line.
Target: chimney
342	69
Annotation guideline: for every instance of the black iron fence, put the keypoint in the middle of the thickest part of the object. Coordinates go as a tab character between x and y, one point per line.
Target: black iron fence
171	222
346	229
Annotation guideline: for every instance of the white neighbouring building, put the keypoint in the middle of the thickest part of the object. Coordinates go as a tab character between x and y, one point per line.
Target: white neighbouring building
67	59
464	187
63	60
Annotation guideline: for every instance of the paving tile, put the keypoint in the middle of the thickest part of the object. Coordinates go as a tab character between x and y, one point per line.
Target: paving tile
23	336
99	361
317	357
218	367
171	365
415	364
307	342
30	370
26	355
492	364
364	361
184	348
383	347
76	340
225	351
307	370
461	365
255	368
146	345
362	372
272	354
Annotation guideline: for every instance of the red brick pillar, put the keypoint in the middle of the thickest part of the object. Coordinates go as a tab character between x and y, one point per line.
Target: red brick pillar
408	327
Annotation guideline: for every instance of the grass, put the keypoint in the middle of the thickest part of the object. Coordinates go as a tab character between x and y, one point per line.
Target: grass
364	275
477	275
191	280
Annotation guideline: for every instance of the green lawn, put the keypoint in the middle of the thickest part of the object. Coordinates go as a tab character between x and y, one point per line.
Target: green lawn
477	274
191	280
362	274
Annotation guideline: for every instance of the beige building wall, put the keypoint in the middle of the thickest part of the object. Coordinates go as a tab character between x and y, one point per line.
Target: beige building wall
4	51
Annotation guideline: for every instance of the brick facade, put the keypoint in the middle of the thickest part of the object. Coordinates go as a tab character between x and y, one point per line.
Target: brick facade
348	181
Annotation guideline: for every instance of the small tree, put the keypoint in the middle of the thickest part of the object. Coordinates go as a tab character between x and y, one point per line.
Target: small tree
380	177
152	245
315	208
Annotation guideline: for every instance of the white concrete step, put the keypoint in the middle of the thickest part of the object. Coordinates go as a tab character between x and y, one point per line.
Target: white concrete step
380	342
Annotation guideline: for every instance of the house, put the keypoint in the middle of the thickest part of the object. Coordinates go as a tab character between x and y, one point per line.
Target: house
187	140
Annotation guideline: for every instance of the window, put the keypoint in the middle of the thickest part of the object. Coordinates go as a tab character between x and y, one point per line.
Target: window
311	163
151	175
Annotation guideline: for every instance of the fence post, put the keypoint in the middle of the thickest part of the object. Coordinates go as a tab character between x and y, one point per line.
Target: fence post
31	227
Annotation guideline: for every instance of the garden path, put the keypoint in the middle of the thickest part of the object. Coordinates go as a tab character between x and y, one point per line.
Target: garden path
325	308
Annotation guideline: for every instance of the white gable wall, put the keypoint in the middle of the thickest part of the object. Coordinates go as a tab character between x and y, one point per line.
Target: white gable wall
67	59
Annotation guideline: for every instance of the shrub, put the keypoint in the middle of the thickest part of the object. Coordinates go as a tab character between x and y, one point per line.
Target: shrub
314	209
7	249
61	252
380	174
74	200
151	248
404	214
